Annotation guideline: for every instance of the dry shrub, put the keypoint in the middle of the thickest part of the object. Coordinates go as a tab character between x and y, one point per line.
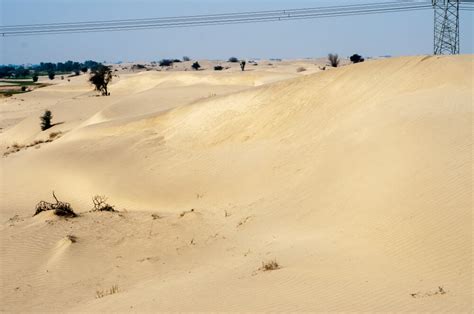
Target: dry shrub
300	69
102	293
101	205
270	265
61	209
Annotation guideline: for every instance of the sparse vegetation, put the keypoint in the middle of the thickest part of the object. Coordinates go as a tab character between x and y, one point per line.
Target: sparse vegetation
101	205
218	68
102	293
439	291
233	60
72	238
166	63
46	120
196	66
101	78
186	212
270	265
242	65
300	69
355	58
60	208
333	60
17	147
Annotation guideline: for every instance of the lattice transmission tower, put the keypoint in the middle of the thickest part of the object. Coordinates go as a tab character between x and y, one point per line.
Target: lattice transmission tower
446	27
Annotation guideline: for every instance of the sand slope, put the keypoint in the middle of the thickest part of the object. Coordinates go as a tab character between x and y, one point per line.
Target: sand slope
357	180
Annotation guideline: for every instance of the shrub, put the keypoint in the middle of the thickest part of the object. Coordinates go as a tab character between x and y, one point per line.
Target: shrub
51	75
196	66
60	208
176	60
46	120
269	265
101	78
333	60
218	68
233	60
101	205
300	69
242	65
84	69
186	58
77	72
23	88
355	58
35	77
166	63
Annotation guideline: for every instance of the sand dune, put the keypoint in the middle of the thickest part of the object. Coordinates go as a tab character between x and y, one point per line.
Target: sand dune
357	180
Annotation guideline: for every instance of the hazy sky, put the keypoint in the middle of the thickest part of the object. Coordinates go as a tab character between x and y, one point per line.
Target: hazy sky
407	33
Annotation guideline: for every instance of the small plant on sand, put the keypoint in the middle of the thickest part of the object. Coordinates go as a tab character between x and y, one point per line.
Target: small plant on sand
100	78
46	120
218	68
300	69
186	212
101	205
242	65
60	208
333	60
72	238
51	75
269	265
196	66
102	293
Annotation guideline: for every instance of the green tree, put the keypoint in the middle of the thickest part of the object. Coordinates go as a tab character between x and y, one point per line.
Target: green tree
46	120
101	78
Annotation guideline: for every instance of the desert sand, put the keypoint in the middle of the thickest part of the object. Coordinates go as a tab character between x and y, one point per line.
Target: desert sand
357	181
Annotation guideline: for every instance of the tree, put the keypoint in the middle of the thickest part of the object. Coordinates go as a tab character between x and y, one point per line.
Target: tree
101	78
51	75
35	77
186	58
333	60
196	66
84	69
233	60
242	65
355	58
46	120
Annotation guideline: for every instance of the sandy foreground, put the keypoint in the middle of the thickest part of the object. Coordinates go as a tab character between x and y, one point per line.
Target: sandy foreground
356	180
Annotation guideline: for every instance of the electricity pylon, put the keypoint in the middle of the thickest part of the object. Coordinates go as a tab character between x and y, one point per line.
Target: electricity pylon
446	27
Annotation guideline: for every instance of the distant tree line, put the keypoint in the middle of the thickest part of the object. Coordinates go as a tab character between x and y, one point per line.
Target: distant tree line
47	68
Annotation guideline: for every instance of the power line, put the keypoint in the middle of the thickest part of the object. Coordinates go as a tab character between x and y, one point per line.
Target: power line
213	19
